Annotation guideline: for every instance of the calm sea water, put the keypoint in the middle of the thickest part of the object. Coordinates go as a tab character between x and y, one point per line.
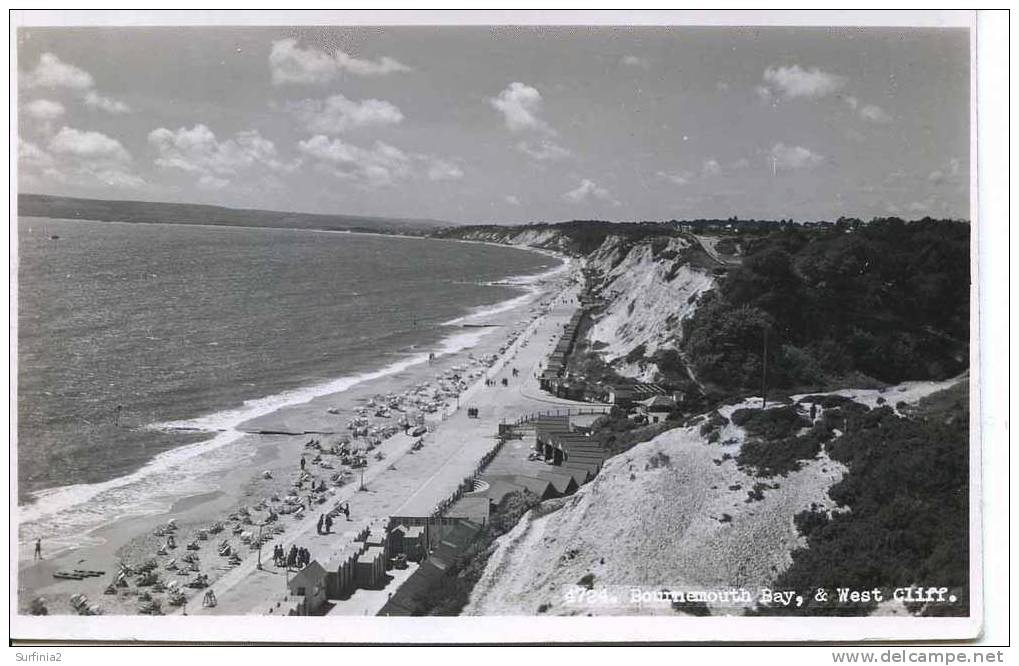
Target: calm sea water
177	322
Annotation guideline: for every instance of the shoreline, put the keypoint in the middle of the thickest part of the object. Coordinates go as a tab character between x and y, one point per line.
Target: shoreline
226	469
225	426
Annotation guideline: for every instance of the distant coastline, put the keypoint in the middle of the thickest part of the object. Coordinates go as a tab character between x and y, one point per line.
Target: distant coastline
146	212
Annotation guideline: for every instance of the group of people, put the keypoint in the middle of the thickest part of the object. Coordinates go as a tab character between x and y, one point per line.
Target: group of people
295	558
325	524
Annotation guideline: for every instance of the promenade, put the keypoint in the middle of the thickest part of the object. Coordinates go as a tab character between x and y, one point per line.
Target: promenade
410	482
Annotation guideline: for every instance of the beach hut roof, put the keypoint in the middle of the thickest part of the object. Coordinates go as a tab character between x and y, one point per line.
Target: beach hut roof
309	576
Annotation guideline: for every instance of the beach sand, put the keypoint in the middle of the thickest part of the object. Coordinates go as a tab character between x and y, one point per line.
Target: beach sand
236	475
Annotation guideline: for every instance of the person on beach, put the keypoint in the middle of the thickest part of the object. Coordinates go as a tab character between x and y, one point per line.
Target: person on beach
321	520
346	510
302	463
329	524
38	550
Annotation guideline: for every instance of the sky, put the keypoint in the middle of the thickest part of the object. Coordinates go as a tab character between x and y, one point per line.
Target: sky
503	124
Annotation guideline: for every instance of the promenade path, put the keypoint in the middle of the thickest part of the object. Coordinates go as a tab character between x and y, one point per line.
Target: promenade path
411	482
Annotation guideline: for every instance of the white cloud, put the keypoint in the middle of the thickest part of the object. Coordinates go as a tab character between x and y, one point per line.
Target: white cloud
443	170
32	156
289	63
711	167
793	157
519	104
380	67
78	157
795	81
875	114
337	114
52	72
107	104
635	61
588	190
88	145
378	166
946	174
44	109
216	163
544	150
676	177
381	165
512	200
764	94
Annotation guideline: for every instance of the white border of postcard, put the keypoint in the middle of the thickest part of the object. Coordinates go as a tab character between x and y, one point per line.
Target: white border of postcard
367	630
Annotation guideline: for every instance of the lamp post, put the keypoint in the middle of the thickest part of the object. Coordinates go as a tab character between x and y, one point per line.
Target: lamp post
259	565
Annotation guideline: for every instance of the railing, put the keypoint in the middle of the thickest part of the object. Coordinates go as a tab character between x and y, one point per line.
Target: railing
467	485
579	411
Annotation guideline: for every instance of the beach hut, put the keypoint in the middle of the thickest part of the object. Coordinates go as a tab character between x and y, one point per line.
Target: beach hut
309	587
340	571
370	569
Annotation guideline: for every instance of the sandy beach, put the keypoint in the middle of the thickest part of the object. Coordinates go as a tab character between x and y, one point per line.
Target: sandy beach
239	481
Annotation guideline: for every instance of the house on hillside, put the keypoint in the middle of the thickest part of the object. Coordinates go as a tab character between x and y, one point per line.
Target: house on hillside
625	395
656	408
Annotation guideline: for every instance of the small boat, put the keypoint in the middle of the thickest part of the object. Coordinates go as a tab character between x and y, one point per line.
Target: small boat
67	575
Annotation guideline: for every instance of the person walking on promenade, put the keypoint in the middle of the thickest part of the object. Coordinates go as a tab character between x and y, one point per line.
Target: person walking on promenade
38	550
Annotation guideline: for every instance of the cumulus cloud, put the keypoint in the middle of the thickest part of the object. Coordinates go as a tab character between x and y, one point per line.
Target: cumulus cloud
519	104
32	156
795	81
337	114
443	170
943	175
289	63
512	200
52	72
874	114
793	157
78	157
107	104
380	165
677	177
44	109
544	150
711	167
588	190
88	145
635	61
215	163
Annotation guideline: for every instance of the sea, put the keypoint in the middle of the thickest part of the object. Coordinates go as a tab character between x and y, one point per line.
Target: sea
138	343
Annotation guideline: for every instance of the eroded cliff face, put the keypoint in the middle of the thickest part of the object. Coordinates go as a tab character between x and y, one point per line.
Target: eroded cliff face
648	288
671	513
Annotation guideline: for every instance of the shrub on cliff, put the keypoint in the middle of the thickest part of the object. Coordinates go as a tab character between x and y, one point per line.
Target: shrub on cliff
888	300
907	522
